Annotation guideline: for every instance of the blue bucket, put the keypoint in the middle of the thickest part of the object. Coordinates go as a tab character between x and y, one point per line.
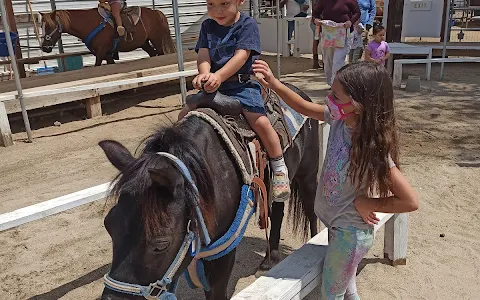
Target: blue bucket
3	43
45	71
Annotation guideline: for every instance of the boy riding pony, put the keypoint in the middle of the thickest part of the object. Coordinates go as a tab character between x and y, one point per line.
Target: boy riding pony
228	44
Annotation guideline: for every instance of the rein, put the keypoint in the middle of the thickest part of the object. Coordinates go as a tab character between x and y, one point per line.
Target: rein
159	290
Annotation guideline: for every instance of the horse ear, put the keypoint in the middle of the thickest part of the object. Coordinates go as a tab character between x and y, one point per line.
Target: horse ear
168	177
117	154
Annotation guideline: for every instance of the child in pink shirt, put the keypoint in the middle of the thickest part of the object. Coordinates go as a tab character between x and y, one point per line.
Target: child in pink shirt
377	49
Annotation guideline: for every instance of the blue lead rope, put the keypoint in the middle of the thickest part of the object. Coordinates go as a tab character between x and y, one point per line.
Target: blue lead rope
100	27
88	40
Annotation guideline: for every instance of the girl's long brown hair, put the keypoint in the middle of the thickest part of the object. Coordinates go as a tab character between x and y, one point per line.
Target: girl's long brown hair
375	134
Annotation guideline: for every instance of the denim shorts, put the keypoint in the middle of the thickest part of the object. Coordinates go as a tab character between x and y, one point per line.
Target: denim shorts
249	94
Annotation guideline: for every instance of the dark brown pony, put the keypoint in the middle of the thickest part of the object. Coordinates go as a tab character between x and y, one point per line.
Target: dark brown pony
152	32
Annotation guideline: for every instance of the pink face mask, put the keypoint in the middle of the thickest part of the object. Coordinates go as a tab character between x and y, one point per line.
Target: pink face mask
336	109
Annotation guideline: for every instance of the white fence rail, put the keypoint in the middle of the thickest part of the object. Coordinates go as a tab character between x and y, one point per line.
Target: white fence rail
54	206
96	87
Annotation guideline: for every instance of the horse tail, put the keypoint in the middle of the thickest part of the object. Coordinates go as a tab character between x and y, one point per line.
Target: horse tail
297	213
303	189
167	42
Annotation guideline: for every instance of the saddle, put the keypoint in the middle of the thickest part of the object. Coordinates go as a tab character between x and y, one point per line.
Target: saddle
225	115
130	15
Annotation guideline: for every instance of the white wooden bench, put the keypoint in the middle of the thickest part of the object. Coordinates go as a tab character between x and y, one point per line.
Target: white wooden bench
298	274
411	50
398	65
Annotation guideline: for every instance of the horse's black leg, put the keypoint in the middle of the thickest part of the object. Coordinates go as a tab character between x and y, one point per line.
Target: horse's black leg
110	60
98	61
157	43
218	273
276	219
149	49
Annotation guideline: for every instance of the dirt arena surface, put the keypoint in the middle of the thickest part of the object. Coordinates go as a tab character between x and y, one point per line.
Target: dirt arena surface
65	256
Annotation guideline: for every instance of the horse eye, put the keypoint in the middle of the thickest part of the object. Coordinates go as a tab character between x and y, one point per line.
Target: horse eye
161	246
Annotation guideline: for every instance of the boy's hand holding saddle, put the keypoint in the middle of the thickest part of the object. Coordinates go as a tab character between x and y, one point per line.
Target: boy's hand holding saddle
209	82
213	83
200	80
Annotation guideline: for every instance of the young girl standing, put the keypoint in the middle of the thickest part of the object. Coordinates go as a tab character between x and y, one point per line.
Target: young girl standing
360	173
228	44
377	49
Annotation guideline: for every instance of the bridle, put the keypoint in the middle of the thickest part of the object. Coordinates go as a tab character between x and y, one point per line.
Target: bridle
159	289
48	37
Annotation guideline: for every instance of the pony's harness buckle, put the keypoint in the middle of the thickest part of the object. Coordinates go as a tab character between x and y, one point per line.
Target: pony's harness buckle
155	291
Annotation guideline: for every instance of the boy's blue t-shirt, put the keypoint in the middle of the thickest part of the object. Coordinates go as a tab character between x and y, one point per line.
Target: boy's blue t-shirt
222	41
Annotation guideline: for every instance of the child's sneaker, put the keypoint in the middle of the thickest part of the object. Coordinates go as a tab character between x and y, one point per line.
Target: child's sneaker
121	30
280	187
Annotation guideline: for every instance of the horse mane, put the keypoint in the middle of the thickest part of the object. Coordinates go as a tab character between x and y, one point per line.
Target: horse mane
136	180
62	16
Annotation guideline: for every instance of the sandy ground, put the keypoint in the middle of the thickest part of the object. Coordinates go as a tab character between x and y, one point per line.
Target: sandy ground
65	256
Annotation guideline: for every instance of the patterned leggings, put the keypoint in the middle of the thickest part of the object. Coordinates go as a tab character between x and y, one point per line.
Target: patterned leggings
347	247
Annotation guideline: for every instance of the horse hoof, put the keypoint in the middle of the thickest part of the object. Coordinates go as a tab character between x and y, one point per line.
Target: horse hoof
275	258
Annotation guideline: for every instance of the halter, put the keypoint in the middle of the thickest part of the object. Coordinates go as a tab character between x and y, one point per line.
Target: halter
48	37
159	290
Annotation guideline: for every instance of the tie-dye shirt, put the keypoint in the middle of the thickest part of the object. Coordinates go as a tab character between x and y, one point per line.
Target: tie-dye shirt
336	192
